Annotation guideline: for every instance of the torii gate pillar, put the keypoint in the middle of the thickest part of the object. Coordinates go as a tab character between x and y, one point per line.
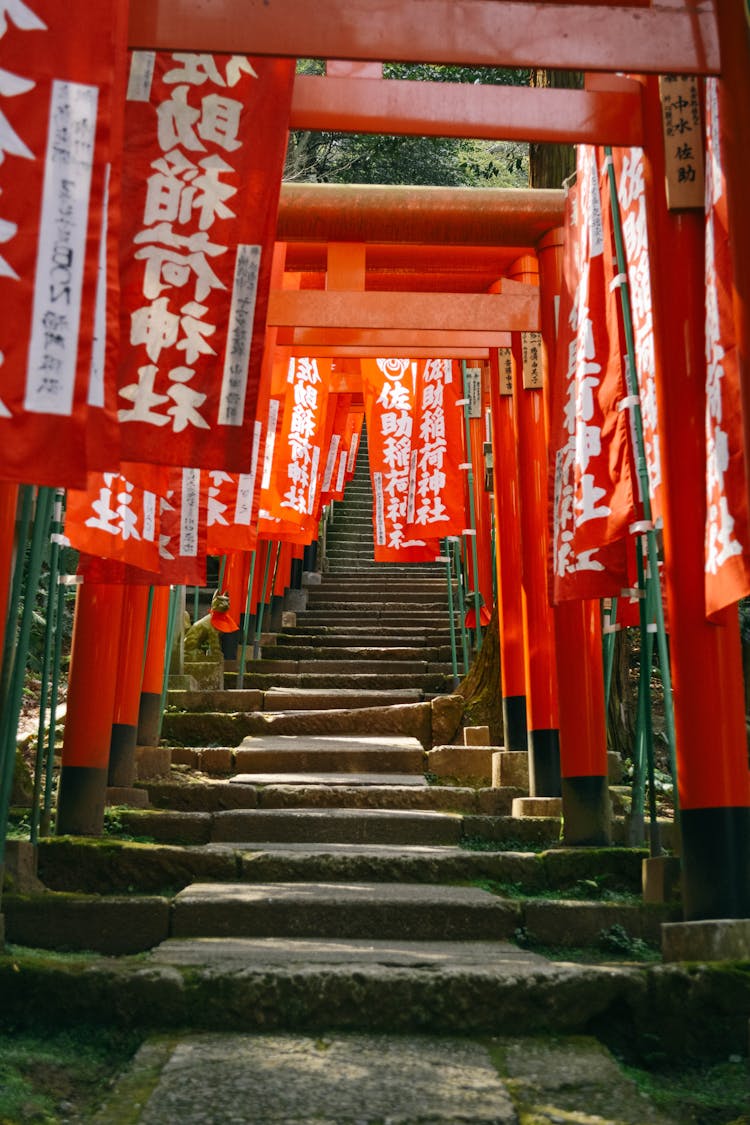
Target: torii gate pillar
712	768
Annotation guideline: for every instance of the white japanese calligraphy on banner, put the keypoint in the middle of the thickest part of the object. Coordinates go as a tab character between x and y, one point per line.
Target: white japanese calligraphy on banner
727	565
389	386
207	134
632	197
436	506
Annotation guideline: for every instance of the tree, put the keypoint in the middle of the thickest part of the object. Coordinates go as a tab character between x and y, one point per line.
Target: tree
362	158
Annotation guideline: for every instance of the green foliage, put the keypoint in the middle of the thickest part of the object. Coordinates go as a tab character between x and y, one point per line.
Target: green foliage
617	940
359	158
701	1095
48	1076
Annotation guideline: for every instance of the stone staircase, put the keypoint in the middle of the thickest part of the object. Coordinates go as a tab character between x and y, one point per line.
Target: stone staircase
287	874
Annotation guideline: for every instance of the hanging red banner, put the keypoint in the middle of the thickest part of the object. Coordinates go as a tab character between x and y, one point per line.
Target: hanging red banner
631	191
294	486
232	505
352	441
336	454
115	519
727	539
592	501
389	392
206	137
59	65
435	506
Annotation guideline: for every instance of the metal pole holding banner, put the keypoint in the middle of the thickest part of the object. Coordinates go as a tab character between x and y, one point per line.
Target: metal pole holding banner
471	531
446	558
246	622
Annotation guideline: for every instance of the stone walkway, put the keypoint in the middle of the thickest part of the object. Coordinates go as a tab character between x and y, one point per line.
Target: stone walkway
374	1080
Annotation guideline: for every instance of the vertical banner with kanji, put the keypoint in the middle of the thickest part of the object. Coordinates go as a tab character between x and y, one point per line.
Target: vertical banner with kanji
631	191
58	65
435	505
389	393
205	143
114	518
727	541
592	502
297	469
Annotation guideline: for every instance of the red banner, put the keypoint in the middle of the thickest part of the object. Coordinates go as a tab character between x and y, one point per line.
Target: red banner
115	519
294	486
593	501
389	393
181	540
435	505
631	192
59	64
205	137
232	505
334	474
727	562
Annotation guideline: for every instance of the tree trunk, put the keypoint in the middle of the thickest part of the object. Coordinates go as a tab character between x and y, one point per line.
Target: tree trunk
481	687
551	165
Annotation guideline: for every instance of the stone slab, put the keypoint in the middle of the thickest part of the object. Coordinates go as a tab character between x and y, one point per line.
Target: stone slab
328	779
334	1080
112	925
228	701
315	699
537	807
717	939
342	910
315	753
329	742
339	826
464	763
498	956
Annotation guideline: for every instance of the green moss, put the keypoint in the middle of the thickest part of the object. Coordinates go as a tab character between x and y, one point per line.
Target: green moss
701	1095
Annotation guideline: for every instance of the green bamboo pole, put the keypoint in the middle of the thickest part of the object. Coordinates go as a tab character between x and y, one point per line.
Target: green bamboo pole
472	516
246	623
222	568
63	581
262	604
608	643
451	613
642	471
461	599
15	687
174	608
49	630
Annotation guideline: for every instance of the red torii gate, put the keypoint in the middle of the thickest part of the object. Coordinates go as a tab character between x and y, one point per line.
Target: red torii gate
674	36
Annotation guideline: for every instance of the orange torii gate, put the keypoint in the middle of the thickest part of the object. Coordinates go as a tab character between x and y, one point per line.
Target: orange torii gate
672	36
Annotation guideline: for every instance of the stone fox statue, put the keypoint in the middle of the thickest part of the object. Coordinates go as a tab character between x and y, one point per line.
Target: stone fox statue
202	637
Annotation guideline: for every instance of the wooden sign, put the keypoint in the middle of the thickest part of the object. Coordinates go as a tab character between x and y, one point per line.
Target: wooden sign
505	367
533	361
683	140
473	390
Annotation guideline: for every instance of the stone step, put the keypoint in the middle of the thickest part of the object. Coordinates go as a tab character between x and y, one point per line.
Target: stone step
336	826
366	659
350	678
68	864
368	614
394	584
388	663
353	635
343	911
320	754
317	699
324	597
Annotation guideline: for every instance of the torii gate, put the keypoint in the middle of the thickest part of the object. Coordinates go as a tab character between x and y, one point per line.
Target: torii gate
674	36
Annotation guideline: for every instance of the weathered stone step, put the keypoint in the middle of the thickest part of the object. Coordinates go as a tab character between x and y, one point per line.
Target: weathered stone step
316	754
383	585
323	650
374	615
342	911
325	598
350	678
331	789
316	699
388	663
116	866
353	635
336	826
